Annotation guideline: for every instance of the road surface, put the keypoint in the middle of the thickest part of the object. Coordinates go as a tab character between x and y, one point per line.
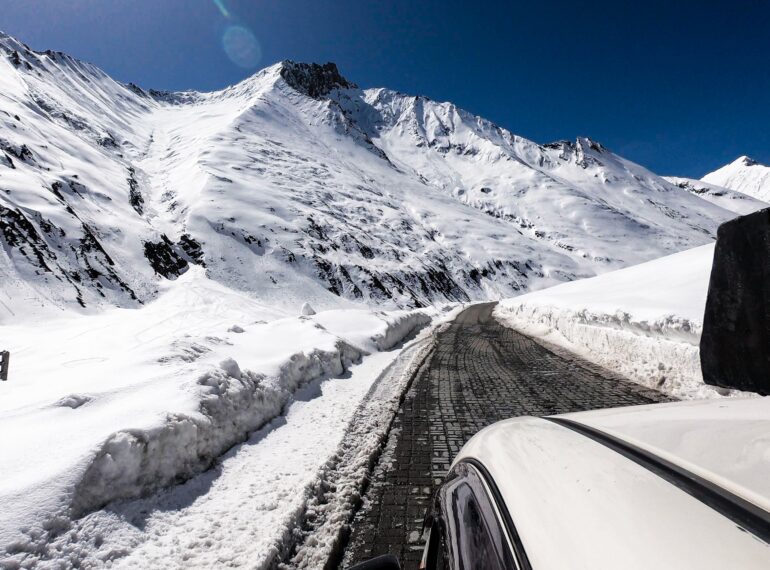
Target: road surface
480	372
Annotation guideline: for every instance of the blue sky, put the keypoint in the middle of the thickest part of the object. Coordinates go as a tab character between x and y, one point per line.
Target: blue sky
681	87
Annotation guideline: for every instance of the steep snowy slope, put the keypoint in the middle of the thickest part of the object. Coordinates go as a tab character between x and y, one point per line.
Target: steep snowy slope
69	232
576	197
297	184
728	199
743	175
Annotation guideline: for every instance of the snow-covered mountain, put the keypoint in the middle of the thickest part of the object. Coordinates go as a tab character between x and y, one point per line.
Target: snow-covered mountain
728	199
743	175
296	184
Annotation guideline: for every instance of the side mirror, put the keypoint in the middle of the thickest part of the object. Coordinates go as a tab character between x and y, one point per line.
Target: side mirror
385	562
735	344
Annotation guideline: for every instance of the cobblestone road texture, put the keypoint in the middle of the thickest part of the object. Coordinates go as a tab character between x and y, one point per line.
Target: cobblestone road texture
480	372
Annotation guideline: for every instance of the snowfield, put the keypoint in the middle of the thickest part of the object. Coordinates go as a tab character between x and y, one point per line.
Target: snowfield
644	321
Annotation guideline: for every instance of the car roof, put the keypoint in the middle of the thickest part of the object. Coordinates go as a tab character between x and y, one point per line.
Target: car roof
579	504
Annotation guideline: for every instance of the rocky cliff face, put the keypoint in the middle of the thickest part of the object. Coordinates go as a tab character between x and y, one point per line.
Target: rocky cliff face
312	79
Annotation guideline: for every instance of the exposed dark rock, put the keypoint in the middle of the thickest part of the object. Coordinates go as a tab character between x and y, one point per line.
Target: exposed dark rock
313	79
48	252
22	152
749	161
135	197
15	58
136	89
192	248
19	233
164	258
173	97
107	141
366	251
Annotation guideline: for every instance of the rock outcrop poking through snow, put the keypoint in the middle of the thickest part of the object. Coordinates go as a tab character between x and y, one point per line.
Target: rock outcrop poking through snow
313	79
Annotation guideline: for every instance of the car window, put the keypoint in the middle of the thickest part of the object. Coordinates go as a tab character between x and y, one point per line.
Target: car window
472	534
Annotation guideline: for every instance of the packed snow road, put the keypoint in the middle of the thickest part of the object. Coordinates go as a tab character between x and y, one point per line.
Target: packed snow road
480	372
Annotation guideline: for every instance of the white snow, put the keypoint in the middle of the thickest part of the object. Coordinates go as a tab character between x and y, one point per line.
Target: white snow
243	512
362	194
737	202
644	321
124	402
743	175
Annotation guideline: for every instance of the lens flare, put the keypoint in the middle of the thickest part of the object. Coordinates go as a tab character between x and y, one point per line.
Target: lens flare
241	46
222	8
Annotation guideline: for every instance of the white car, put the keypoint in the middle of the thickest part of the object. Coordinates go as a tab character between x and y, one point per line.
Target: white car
664	486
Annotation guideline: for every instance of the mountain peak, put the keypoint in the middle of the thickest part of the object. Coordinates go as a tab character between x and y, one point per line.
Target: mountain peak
746	161
585	142
314	79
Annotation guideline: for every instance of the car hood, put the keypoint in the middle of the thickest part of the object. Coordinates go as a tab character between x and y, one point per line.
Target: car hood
726	441
579	504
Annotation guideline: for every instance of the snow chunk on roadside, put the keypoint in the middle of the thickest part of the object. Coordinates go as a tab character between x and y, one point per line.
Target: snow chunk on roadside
307	310
372	331
231	368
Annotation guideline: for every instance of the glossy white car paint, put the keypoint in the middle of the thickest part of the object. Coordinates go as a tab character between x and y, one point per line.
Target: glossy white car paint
725	441
580	505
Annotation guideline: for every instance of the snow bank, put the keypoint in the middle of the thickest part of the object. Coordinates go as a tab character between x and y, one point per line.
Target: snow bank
339	490
643	322
233	404
340	487
120	404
